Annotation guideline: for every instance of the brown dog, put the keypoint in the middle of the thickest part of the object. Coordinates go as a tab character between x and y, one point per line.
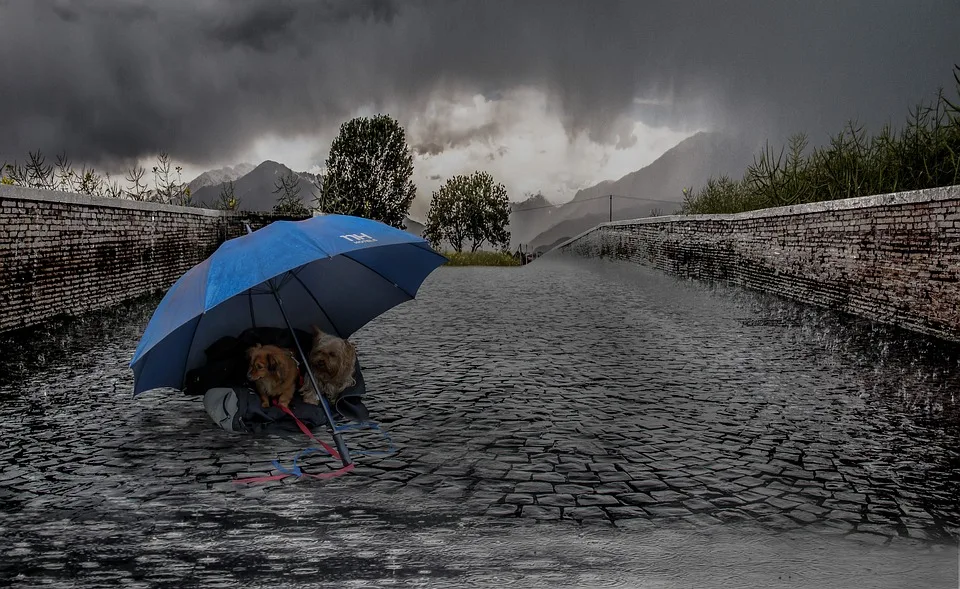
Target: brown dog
274	372
332	361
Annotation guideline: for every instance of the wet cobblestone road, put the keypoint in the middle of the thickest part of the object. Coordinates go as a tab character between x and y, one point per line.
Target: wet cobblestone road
586	423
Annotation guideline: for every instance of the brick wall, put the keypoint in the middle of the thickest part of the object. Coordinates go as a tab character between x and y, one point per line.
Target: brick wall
64	254
892	258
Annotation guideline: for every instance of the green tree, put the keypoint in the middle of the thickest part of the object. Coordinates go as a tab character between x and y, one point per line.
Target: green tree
368	172
287	189
445	218
470	208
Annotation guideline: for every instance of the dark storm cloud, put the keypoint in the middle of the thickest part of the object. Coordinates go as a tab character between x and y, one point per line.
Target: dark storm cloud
109	81
440	137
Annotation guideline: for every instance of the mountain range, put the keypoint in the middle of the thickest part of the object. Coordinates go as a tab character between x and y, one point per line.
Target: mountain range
536	223
254	186
219	176
656	189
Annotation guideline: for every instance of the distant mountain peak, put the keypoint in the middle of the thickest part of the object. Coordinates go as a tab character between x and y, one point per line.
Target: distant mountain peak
533	201
653	189
692	161
255	188
220	176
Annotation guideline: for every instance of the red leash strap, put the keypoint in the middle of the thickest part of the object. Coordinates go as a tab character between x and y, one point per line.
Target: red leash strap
309	434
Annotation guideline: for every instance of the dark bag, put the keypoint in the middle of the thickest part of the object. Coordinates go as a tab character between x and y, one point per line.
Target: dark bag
237	409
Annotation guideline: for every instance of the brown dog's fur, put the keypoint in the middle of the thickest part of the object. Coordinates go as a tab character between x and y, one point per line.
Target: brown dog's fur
274	372
332	361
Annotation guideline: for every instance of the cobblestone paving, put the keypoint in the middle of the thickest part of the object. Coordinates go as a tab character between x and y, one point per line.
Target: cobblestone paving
589	394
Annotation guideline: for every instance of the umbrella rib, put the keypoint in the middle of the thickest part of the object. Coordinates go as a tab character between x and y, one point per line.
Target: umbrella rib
319	306
420	245
253	320
193	337
379	274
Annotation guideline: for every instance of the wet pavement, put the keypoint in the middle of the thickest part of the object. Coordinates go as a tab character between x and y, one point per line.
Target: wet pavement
568	423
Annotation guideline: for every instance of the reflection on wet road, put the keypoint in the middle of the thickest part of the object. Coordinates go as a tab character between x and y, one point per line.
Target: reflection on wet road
568	423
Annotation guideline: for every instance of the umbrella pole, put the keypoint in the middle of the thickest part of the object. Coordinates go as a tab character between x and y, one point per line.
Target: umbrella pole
337	436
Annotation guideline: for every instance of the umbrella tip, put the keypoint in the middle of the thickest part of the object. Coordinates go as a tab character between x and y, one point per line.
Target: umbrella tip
247	225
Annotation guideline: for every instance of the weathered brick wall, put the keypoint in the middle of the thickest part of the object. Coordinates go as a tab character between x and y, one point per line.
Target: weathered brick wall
891	258
67	253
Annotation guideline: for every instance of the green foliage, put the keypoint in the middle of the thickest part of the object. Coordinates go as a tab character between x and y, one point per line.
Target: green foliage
481	259
473	208
16	174
287	189
368	172
445	219
227	199
924	154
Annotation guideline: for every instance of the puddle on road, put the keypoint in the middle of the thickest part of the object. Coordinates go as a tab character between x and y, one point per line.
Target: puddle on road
481	553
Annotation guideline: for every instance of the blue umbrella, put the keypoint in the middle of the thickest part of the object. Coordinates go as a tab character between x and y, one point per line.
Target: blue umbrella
334	271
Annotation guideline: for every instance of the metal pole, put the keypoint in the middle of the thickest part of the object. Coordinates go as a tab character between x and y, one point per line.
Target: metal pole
611	208
337	436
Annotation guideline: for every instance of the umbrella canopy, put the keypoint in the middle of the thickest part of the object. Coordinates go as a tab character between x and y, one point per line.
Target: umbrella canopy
334	271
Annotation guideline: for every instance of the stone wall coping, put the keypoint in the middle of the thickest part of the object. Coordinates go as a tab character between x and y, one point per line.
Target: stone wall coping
23	193
846	204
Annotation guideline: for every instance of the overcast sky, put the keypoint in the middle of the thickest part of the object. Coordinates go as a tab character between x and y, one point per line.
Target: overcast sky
545	94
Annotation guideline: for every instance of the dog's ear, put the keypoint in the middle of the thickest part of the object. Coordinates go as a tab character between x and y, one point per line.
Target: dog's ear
252	350
350	351
347	358
272	362
317	331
